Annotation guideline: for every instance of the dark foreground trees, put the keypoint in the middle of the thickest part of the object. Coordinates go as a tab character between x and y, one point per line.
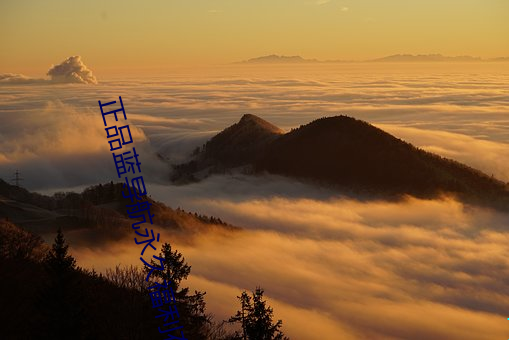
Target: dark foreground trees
50	297
45	295
255	318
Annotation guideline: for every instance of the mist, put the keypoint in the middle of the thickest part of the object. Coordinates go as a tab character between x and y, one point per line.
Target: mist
458	112
331	265
425	269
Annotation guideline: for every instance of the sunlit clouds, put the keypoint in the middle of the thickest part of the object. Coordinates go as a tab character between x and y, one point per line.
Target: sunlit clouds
333	267
71	70
460	114
415	269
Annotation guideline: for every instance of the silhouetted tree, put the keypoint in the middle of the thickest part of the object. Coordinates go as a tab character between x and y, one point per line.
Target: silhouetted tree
58	259
191	308
255	318
60	301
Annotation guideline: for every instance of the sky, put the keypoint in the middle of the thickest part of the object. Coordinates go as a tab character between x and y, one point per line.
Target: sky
136	36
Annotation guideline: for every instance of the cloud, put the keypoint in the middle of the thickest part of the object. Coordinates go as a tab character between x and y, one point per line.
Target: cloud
58	145
322	2
344	9
434	269
177	114
17	78
452	115
332	267
72	70
487	156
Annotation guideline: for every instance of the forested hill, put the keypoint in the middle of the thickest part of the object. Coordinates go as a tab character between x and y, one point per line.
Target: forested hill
348	154
100	206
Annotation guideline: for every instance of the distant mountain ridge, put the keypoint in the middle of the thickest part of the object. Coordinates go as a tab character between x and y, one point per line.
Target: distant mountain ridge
426	58
278	59
345	153
281	59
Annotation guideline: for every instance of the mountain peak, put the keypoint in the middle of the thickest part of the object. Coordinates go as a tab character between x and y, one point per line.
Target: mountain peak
249	117
254	122
239	143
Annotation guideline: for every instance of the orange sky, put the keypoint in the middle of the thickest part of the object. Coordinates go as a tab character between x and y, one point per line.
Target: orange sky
134	35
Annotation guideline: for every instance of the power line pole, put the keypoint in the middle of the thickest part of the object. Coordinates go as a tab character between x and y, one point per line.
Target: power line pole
17	178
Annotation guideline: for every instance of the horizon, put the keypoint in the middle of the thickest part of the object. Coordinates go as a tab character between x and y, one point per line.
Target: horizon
128	35
260	66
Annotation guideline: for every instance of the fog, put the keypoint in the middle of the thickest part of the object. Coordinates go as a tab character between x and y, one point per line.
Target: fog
332	267
175	113
423	269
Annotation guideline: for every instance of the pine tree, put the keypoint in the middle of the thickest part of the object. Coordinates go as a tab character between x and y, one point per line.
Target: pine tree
190	307
175	269
60	301
255	318
58	260
246	308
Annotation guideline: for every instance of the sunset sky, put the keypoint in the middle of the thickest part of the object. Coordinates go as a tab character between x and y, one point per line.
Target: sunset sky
135	35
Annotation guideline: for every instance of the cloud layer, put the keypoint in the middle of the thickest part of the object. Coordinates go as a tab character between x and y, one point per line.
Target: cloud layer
18	79
419	269
333	267
60	145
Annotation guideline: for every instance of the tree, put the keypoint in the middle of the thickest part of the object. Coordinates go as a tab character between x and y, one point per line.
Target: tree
191	308
61	299
57	259
255	318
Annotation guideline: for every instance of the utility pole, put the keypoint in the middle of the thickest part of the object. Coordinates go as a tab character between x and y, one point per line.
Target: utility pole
17	178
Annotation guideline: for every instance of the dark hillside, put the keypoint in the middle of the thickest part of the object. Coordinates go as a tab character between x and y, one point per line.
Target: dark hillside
348	154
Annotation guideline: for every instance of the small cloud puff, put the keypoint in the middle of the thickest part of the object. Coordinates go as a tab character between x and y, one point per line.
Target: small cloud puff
72	70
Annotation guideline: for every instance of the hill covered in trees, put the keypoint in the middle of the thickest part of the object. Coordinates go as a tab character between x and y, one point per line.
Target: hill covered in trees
345	153
99	207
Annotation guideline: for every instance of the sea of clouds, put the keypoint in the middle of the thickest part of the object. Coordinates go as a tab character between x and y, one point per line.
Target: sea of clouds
458	113
333	268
